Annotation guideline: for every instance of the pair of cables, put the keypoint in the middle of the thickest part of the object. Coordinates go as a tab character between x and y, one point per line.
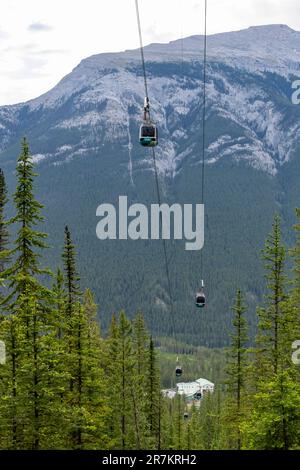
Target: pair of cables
158	192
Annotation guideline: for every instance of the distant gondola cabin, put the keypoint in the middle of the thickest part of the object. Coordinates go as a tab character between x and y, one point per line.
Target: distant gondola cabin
200	300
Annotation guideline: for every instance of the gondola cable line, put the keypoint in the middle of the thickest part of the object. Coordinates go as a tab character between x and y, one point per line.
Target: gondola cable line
148	131
178	369
148	137
200	296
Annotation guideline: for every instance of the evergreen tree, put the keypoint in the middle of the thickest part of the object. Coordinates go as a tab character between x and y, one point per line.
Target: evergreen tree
10	332
126	369
71	325
271	316
295	293
192	440
29	301
3	226
87	402
140	344
140	340
112	371
153	398
208	424
59	298
296	254
179	410
124	427
23	275
71	275
95	389
91	310
236	375
274	422
167	434
132	371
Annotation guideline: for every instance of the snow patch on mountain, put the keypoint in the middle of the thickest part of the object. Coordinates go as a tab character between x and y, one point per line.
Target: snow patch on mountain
88	119
214	146
38	157
63	149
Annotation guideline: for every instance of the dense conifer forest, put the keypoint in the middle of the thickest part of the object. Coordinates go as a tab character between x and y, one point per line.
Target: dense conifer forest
68	385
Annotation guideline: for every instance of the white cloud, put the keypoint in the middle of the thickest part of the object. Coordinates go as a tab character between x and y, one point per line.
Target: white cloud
41	41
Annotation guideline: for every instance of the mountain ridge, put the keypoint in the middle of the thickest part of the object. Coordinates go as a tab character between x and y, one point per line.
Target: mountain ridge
84	139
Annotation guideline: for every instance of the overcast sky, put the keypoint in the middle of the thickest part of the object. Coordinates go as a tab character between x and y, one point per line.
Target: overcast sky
43	40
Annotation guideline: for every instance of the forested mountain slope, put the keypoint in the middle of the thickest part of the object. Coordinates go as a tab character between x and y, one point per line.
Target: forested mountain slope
84	138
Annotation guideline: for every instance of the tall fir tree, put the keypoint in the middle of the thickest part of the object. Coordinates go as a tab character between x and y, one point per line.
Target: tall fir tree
274	421
121	380
3	225
140	343
191	428
30	302
271	316
128	384
209	422
72	326
295	292
71	275
24	274
112	371
153	398
236	372
126	375
87	401
59	298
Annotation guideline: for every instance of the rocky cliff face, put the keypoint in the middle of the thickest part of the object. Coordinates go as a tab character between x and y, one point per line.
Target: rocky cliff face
250	115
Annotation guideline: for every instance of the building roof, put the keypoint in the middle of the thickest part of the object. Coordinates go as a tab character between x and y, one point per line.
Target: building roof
189	388
204	383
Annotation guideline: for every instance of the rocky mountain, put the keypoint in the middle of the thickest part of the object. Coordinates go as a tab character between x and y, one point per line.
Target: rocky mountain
84	139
